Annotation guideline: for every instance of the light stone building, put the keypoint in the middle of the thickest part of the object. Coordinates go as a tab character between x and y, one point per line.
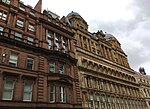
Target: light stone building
106	79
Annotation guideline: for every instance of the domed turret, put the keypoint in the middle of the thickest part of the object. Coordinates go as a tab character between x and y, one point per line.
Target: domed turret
73	14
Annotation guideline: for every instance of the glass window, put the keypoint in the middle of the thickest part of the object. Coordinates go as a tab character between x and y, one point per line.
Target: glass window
3	15
57	38
62	94
61	68
13	59
22	8
32	13
20	23
30	40
98	101
91	101
18	36
1	30
52	67
49	34
30	63
6	1
50	43
52	93
65	45
8	90
27	95
31	27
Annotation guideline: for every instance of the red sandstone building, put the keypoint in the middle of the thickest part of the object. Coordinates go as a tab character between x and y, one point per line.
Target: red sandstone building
37	60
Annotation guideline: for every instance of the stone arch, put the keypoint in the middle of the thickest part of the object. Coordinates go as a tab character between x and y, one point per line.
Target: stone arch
105	70
123	75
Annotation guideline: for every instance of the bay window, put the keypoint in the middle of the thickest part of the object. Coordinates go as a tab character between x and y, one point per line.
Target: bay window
52	93
52	67
62	94
61	68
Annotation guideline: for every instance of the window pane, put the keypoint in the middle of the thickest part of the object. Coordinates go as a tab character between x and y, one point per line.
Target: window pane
52	93
49	34
6	1
13	59
61	68
27	96
52	66
50	43
28	87
31	27
62	94
30	40
8	90
30	63
20	23
7	95
18	36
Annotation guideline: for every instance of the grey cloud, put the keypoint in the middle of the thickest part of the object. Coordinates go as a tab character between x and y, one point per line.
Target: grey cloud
130	32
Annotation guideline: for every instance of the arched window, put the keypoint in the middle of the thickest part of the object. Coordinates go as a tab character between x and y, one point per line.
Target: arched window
91	100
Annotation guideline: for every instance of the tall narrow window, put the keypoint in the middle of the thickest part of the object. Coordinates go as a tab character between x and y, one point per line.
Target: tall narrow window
65	45
62	94
104	101
61	68
8	90
52	67
27	95
52	93
3	15
1	30
50	38
30	40
31	27
50	43
57	39
91	101
20	23
6	1
18	36
98	101
30	63
13	59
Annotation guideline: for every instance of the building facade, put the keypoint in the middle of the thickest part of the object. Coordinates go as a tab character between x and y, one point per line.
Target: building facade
144	81
38	68
47	62
106	79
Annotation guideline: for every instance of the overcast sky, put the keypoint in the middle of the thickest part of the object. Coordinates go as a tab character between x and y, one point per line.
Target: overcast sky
127	20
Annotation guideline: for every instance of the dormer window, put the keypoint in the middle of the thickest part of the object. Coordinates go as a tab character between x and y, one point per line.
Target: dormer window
1	30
